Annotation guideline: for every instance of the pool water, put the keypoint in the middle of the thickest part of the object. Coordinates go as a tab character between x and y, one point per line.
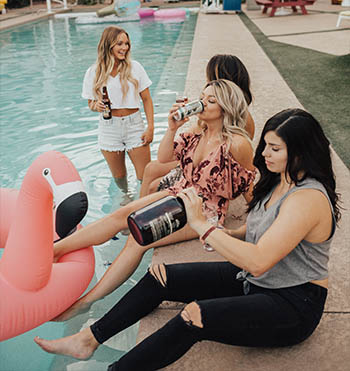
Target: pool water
42	66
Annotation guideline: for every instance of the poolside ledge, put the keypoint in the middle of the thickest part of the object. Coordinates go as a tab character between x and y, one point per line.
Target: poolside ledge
328	348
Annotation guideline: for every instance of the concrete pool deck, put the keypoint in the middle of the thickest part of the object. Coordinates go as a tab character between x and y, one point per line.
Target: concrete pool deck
327	348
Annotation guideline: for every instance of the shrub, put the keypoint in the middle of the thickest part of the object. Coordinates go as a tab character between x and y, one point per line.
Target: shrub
87	2
17	3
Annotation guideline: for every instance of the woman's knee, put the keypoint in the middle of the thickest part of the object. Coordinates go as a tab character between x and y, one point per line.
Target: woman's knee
153	186
151	168
191	314
116	163
121	214
140	157
159	273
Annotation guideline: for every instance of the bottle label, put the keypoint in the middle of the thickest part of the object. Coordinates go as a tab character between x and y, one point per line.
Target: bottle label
164	225
189	109
157	220
107	112
107	115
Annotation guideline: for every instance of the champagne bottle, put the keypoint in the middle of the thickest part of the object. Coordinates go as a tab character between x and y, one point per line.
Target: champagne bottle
157	220
107	113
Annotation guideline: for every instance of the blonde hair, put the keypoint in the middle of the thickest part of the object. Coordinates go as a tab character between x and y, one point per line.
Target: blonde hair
234	108
105	62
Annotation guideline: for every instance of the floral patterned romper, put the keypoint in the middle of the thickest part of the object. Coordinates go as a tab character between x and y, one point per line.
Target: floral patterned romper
218	178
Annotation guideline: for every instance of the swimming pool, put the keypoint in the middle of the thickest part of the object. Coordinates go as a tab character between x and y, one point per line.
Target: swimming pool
41	71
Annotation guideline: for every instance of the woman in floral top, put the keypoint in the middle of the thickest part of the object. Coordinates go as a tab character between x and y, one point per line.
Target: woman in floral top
159	176
216	162
218	178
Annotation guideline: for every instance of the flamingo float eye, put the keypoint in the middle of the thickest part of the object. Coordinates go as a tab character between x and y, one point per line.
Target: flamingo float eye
46	172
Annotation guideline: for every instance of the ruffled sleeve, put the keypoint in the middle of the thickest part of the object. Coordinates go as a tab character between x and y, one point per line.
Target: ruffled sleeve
225	177
218	178
240	178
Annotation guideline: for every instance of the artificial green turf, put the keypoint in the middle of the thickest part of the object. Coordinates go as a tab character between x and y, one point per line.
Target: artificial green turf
322	87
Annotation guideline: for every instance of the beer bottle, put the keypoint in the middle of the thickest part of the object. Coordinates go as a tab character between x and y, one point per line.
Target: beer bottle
157	220
107	113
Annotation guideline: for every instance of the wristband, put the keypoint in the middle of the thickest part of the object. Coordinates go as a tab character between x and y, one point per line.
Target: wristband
207	233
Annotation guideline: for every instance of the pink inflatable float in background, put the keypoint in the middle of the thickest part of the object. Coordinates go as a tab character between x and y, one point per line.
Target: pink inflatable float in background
33	289
146	12
170	13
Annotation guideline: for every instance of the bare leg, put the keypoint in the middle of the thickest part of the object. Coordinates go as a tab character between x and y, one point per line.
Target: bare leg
121	269
102	229
140	157
154	170
116	163
154	185
81	345
122	184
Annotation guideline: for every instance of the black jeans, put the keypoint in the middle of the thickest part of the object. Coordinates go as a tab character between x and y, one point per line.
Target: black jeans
261	318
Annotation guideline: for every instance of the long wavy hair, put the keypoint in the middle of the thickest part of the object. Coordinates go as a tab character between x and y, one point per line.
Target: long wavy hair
230	67
308	152
231	100
105	62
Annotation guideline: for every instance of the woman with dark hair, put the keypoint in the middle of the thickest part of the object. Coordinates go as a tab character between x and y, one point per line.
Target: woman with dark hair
307	151
159	176
230	67
272	290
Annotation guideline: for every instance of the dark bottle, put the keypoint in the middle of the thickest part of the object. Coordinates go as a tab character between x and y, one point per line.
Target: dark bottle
107	113
157	220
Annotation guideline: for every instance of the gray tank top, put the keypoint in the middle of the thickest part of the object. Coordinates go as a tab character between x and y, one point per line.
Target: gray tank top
306	262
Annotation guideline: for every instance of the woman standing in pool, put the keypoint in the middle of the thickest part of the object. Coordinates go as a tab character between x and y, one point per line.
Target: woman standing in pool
217	163
126	81
157	175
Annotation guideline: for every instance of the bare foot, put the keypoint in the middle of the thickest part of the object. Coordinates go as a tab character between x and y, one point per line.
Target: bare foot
78	307
126	199
81	345
56	257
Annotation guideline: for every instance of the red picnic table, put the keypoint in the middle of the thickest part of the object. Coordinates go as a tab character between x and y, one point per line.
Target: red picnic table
274	4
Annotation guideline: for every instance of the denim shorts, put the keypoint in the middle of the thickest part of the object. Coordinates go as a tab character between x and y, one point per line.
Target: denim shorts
121	133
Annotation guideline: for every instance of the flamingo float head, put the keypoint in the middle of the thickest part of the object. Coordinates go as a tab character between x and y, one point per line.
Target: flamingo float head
36	289
51	182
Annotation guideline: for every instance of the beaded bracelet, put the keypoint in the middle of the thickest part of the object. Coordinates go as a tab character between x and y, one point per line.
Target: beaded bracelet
207	233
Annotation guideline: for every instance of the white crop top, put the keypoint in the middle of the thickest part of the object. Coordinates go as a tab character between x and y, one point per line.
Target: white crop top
114	89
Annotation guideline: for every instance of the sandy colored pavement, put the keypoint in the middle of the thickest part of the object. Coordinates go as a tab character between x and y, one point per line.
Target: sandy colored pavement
327	348
315	31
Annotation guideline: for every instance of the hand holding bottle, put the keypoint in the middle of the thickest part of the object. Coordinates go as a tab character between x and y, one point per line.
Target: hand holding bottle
96	105
194	207
172	123
202	224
